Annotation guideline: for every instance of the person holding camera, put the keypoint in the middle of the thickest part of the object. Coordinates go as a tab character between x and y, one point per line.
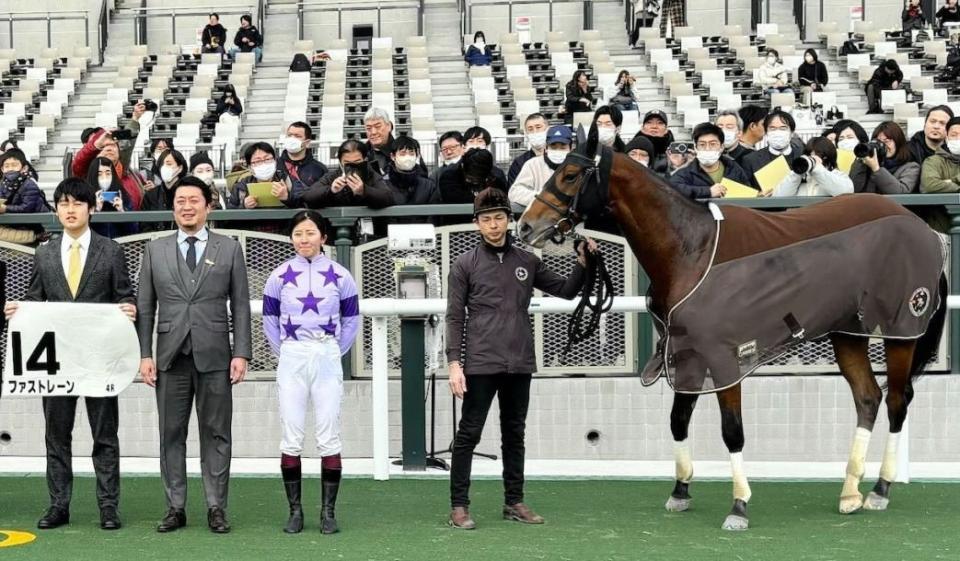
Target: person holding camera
229	103
105	143
884	165
940	173
812	75
111	197
816	169
621	94
578	97
353	183
703	180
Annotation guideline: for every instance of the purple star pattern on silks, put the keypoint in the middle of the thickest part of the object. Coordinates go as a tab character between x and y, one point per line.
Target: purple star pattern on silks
330	327
310	303
329	276
290	276
291	328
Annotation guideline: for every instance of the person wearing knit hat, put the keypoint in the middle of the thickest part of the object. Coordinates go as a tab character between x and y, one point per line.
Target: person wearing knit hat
655	130
475	172
201	167
492	354
640	150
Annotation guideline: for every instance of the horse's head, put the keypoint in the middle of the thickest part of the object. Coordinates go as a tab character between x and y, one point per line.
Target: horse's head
553	212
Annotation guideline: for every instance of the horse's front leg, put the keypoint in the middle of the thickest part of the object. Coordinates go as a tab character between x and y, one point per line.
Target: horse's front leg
680	415
732	426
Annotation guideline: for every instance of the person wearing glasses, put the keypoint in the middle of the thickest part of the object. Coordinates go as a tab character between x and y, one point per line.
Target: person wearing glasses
451	150
704	178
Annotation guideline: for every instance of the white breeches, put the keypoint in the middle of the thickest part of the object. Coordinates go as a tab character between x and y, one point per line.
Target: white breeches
310	370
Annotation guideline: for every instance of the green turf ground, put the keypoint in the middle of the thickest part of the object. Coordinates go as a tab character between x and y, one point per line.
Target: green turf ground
405	519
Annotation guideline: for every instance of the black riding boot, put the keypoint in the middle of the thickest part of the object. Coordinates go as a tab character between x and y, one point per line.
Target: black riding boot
295	523
330	482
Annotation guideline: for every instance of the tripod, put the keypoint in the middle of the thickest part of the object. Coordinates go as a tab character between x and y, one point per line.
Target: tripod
432	459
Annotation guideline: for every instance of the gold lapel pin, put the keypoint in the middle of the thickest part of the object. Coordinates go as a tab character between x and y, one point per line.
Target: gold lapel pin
209	262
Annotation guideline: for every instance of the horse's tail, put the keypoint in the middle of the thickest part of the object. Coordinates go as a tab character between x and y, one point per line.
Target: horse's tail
929	343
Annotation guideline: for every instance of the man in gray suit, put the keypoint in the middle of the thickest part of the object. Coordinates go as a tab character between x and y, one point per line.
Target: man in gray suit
80	266
186	281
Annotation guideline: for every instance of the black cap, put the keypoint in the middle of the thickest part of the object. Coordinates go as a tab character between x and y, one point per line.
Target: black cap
658	114
200	158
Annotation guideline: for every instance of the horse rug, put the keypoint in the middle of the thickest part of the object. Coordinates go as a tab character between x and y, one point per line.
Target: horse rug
858	264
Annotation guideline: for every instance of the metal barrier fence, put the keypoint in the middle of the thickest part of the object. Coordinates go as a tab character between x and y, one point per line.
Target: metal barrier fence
622	345
50	17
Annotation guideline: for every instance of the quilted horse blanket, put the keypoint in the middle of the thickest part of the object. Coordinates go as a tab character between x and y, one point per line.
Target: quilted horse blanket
858	264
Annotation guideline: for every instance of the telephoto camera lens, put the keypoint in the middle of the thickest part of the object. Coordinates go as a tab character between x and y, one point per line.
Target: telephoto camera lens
802	165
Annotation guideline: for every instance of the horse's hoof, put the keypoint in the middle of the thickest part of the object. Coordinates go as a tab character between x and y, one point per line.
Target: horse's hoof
677	505
736	523
876	502
852	504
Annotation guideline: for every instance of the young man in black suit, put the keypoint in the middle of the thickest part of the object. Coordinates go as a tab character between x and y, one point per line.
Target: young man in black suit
80	266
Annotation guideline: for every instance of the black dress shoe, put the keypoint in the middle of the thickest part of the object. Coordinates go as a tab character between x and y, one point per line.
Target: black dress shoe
174	520
109	520
53	518
217	520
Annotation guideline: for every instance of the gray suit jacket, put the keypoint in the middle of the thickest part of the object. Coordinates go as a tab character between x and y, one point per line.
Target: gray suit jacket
104	279
200	311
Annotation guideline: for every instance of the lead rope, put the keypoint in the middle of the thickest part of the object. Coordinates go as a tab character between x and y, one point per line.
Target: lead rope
598	284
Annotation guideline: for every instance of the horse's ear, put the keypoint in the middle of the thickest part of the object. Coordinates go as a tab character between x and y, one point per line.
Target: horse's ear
592	141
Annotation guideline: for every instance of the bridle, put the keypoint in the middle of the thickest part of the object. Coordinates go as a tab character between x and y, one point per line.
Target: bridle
568	216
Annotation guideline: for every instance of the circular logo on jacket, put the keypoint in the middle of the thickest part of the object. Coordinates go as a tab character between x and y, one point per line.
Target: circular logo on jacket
521	274
919	301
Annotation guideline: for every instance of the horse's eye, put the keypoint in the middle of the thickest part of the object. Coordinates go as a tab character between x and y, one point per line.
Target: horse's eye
569	177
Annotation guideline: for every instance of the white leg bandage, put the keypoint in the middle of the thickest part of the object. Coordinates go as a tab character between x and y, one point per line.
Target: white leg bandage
856	463
741	488
681	455
888	469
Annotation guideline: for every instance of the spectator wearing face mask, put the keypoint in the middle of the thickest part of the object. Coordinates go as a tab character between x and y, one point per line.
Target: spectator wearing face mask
779	126
459	184
157	147
887	76
19	193
538	170
812	75
111	197
892	173
451	150
640	150
201	167
655	130
229	103
410	187
262	159
479	137
11	144
353	183
478	54
170	168
535	126
298	163
847	134
772	75
608	120
823	178
731	124
702	179
102	144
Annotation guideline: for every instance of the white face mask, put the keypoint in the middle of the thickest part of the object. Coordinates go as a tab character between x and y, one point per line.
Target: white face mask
708	157
953	146
606	135
105	182
264	172
644	163
480	44
771	60
292	144
729	138
452	161
778	140
205	176
557	156
848	144
167	173
537	140
156	155
406	163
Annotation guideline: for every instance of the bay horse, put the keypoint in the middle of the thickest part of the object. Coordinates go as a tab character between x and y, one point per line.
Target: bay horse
683	245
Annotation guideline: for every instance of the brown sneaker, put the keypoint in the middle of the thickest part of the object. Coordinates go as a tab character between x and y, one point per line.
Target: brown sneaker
520	512
460	518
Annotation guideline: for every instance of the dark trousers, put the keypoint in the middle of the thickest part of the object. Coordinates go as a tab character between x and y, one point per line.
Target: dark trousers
102	413
513	393
176	389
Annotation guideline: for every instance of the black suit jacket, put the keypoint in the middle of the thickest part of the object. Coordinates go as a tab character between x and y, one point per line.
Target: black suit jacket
104	278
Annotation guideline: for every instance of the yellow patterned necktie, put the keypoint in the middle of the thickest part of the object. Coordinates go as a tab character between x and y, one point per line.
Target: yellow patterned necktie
74	269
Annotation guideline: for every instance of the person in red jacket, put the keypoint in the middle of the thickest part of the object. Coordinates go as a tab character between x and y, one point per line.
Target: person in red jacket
102	144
